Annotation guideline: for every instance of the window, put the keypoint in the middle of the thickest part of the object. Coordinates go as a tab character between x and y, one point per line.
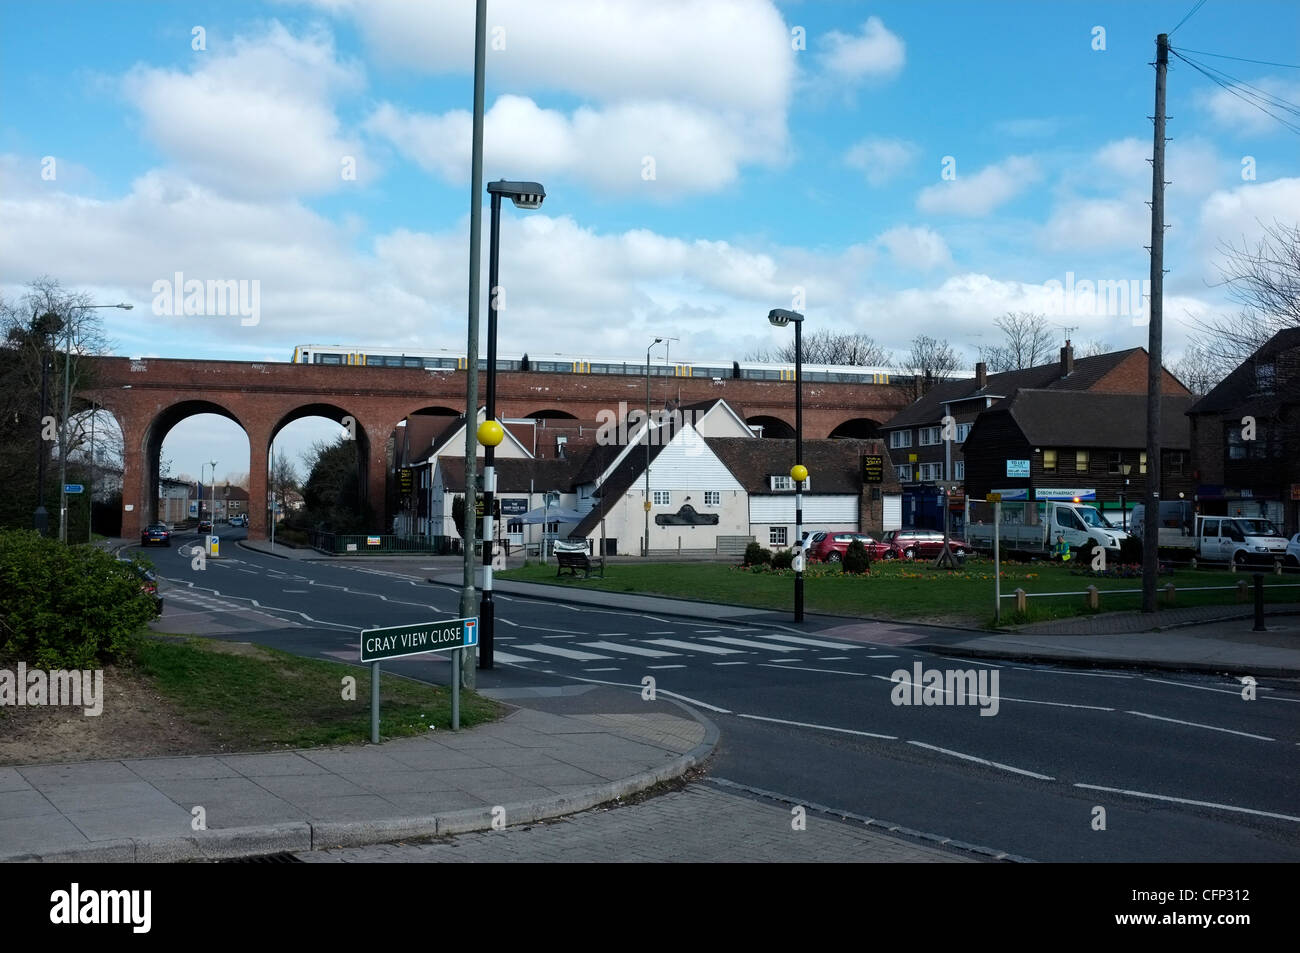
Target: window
1049	461
1081	461
905	473
1142	462
776	536
1115	462
932	471
959	470
929	436
782	482
712	498
1176	463
1265	377
900	438
963	431
663	498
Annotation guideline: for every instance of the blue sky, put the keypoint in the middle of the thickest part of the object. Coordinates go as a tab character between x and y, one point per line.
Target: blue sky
775	168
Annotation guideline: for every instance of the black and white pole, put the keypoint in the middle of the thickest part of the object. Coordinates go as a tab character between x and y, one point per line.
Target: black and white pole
490	435
780	317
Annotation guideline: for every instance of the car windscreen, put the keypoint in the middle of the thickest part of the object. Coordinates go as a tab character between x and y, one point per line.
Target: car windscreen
1091	516
1258	527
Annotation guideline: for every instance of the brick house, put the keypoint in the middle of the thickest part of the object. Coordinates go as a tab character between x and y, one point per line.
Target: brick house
1076	444
1239	476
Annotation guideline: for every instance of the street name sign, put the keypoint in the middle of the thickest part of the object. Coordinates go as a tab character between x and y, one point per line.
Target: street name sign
72	488
401	640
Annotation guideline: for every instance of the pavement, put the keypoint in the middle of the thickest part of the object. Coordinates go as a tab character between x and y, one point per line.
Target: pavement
528	766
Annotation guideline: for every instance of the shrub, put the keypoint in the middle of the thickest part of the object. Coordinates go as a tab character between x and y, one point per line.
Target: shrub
856	559
1130	550
66	606
783	559
756	555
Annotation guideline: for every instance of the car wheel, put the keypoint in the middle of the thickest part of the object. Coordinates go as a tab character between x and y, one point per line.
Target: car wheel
910	553
890	554
833	557
959	551
1291	560
1239	557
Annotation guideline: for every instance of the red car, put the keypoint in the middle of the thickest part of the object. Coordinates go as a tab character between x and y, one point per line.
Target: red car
831	547
920	544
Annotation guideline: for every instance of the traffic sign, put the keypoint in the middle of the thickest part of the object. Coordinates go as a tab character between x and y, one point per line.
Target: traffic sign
402	640
72	488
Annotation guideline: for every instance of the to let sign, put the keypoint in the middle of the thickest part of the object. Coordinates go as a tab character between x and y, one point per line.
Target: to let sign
1018	468
873	468
402	640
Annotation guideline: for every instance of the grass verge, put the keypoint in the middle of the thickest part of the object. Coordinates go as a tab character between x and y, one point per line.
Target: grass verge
914	591
249	697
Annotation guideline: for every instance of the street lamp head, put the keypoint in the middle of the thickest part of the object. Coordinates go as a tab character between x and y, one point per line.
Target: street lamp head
124	306
527	195
781	317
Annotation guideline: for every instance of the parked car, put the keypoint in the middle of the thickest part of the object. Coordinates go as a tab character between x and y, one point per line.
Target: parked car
920	544
155	533
205	526
239	521
832	546
1292	557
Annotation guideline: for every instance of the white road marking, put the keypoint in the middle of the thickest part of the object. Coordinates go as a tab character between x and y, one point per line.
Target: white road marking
983	761
882	656
615	669
667	632
804	724
730	663
1183	800
632	649
609	635
707	630
966	661
1204	688
786	661
500	656
665	666
815	643
832	658
563	653
1061	671
693	647
1193	724
749	643
1008	698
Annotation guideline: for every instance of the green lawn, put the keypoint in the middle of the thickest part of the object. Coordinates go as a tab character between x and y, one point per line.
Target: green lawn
252	697
898	590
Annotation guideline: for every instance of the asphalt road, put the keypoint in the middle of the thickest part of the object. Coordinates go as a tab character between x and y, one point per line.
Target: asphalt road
1183	767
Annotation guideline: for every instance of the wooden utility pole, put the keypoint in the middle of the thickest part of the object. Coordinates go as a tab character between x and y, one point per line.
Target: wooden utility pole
1155	368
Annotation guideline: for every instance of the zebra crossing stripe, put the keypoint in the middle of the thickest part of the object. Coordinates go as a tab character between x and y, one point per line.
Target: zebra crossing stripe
630	649
750	643
693	647
563	653
500	656
815	643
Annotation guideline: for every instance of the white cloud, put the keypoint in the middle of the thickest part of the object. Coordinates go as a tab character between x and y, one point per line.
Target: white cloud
1234	112
1118	224
881	159
982	192
692	149
1238	216
918	248
874	52
728	54
256	121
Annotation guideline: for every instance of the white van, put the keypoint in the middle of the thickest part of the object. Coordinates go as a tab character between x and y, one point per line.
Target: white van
1238	540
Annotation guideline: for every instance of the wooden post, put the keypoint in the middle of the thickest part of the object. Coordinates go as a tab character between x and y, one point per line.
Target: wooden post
1093	597
1243	591
1022	602
1169	594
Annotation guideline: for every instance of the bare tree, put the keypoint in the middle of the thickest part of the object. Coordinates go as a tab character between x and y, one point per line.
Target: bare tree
1198	369
930	360
1092	348
829	347
1264	279
1027	341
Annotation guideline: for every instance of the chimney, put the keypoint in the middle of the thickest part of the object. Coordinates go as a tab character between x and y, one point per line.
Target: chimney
1067	360
981	375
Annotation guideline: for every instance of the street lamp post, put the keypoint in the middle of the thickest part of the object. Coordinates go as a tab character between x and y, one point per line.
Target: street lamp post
1126	469
526	195
780	317
67	410
646	506
48	324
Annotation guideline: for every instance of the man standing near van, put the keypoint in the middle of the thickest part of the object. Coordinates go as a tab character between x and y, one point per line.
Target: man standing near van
1061	550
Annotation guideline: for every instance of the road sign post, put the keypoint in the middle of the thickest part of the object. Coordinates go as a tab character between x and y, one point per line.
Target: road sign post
996	500
399	641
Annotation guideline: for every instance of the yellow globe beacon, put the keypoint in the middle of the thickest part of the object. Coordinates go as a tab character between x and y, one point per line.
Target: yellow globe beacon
798	473
491	433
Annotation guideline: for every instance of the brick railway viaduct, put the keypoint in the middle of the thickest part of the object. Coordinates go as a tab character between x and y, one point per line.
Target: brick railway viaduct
151	396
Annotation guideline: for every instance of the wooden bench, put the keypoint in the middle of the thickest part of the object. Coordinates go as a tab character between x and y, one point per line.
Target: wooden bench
575	561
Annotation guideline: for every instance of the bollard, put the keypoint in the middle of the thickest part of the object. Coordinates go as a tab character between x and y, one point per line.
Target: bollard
1243	592
1277	567
1232	567
1193	563
1169	594
1092	598
1259	602
1022	601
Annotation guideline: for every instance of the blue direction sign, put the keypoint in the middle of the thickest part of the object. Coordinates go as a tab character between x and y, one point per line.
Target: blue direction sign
401	640
72	488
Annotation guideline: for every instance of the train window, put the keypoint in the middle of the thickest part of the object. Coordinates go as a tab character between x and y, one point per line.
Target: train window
330	358
507	365
599	368
550	366
412	362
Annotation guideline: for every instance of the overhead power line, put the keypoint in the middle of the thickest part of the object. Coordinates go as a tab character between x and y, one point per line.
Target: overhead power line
1267	103
1190	13
1242	59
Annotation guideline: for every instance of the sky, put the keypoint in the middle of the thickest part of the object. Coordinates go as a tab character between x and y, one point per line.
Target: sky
892	169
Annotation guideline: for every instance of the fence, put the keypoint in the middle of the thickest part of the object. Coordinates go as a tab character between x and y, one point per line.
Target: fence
362	544
1168	593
